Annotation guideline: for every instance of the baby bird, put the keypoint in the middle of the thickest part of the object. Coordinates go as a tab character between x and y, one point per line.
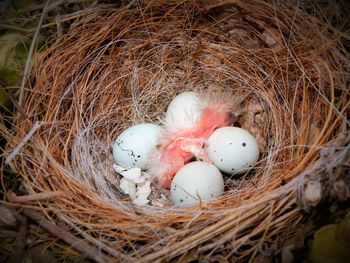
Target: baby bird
182	145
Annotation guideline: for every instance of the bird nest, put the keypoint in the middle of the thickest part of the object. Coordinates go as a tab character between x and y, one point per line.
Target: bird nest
119	66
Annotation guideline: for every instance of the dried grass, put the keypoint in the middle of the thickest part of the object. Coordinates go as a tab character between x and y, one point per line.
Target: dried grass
117	67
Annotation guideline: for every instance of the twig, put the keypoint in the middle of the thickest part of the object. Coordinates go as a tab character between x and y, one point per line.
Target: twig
54	5
59	25
6	26
14	101
30	54
96	242
90	251
63	18
67	17
33	197
20	242
18	148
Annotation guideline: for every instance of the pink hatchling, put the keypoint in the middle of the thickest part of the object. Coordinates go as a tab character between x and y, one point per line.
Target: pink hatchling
180	146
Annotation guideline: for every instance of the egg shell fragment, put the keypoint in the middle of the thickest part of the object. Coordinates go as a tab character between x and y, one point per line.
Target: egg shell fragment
184	111
233	150
133	146
196	182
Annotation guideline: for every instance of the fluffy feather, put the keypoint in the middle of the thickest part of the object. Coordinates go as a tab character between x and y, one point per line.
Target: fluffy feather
180	146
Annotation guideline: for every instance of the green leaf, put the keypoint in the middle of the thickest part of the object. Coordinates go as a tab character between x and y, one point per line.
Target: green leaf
21	52
10	76
328	246
11	60
4	100
344	228
8	43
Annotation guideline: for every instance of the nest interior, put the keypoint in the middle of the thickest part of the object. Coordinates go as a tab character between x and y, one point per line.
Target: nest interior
120	66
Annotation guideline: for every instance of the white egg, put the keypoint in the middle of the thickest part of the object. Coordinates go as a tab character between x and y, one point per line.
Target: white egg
233	150
184	110
196	182
133	146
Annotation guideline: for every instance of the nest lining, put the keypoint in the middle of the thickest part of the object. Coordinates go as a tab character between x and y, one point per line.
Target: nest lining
118	67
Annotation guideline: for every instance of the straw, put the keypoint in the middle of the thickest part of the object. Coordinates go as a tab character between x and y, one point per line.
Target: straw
119	66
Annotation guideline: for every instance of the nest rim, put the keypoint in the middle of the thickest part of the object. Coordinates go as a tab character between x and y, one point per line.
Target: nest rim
49	98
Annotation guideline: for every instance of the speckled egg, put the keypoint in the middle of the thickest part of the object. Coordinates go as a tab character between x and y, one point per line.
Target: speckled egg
133	146
196	182
233	150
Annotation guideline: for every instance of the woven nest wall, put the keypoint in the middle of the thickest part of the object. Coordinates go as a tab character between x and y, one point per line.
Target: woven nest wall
117	67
